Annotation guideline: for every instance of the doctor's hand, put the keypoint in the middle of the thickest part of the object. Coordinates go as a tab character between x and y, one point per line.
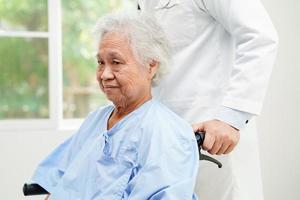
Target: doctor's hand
220	137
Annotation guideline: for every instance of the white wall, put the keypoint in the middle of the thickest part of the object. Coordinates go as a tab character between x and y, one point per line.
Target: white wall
279	132
20	152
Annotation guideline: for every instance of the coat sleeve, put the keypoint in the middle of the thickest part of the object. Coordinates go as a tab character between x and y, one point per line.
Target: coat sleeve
256	44
169	173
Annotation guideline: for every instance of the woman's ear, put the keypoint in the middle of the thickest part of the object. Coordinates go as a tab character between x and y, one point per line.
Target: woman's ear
153	67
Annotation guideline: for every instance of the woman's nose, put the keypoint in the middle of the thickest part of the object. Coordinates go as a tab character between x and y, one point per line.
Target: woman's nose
107	73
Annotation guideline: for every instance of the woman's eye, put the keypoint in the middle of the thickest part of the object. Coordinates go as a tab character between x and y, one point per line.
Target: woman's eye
100	62
116	62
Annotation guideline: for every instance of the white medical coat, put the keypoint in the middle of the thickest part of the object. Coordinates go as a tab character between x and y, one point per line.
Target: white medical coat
223	53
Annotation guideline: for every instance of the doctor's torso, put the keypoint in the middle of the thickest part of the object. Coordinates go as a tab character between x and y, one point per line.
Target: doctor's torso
202	56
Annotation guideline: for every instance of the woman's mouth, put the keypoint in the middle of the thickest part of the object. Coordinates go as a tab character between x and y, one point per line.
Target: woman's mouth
107	88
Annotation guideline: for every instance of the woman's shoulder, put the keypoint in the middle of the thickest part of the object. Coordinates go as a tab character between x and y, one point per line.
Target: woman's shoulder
161	113
161	119
164	131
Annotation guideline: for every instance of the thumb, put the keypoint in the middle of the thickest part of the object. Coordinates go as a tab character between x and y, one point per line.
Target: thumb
198	127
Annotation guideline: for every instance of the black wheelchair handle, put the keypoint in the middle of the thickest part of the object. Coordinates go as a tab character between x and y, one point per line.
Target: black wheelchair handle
200	136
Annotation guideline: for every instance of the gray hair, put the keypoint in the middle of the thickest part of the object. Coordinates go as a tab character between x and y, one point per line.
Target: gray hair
147	39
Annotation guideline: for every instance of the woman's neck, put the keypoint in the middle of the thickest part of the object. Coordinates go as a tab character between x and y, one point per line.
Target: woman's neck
121	110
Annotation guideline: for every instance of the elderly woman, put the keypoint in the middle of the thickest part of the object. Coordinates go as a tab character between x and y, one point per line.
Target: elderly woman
137	148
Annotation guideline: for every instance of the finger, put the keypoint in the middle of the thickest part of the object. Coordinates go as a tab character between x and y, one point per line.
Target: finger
229	149
223	148
216	147
209	141
198	127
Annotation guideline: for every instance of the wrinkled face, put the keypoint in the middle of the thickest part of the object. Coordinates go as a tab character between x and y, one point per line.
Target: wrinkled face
121	77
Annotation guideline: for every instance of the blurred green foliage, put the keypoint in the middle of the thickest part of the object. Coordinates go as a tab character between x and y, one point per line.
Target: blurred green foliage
23	78
24	62
28	15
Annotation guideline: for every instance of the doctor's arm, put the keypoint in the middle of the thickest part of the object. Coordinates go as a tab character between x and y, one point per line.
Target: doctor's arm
256	43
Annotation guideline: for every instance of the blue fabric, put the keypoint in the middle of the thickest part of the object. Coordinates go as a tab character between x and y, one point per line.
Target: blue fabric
150	154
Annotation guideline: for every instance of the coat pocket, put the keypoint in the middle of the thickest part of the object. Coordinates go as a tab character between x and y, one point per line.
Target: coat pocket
178	21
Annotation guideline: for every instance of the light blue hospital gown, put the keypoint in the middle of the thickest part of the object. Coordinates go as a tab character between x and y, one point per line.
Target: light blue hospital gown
150	154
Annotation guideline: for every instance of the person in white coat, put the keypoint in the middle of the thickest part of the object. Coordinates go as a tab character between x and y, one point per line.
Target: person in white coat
223	53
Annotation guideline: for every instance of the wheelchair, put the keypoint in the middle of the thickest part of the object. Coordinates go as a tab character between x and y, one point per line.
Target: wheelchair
30	189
